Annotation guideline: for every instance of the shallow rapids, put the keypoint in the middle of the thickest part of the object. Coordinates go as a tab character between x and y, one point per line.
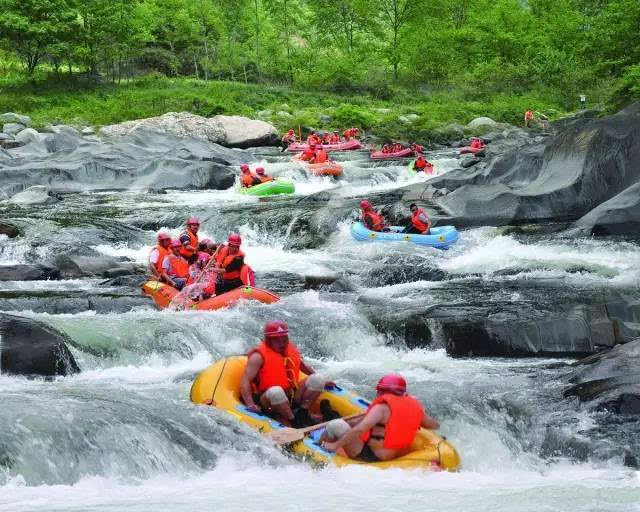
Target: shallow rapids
123	434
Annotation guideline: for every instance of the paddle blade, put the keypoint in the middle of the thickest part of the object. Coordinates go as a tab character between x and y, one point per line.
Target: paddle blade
285	435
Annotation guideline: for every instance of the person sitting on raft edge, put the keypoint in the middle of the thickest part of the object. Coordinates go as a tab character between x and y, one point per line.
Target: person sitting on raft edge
247	179
175	268
420	223
158	254
271	379
371	218
233	271
388	428
264	178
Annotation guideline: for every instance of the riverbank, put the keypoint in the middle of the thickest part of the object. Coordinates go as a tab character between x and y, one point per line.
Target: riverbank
399	113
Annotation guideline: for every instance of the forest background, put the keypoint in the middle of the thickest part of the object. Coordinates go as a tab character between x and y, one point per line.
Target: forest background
404	68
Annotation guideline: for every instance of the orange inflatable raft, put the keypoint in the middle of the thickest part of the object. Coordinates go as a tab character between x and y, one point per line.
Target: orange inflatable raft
325	169
162	295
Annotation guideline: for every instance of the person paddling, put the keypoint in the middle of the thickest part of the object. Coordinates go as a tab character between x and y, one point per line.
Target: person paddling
420	223
233	272
271	380
158	254
387	430
309	153
264	178
371	218
175	268
248	180
319	157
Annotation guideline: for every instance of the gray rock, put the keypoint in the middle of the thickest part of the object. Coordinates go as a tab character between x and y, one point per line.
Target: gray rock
230	131
64	129
87	131
37	194
383	110
9	229
318	281
404	119
28	135
32	348
5	136
412	117
469	161
481	121
12	128
264	113
324	118
620	215
27	273
73	266
11	117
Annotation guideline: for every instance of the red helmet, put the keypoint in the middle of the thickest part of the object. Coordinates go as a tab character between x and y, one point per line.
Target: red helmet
193	220
163	236
234	239
276	329
392	383
364	204
260	170
244	167
175	243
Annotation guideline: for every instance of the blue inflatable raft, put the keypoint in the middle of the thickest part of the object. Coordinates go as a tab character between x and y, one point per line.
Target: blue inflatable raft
441	237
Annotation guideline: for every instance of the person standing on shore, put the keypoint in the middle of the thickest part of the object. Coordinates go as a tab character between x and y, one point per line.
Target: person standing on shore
583	102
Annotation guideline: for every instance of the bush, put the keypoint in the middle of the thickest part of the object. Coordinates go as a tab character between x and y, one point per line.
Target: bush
350	115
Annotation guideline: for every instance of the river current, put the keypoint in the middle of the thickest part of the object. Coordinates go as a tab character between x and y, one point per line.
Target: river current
123	435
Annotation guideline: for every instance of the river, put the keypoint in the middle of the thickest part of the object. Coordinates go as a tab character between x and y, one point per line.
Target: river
123	435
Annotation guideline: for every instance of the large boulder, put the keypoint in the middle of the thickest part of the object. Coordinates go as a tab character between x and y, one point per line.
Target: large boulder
36	195
143	159
27	273
11	117
481	121
6	228
557	178
72	266
620	215
12	128
28	135
229	131
34	349
610	380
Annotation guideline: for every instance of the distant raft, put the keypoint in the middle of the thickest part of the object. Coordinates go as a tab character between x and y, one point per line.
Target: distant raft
162	295
219	386
441	237
349	145
325	169
403	153
270	188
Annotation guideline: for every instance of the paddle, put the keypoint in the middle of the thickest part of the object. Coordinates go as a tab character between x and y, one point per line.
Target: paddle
290	435
212	259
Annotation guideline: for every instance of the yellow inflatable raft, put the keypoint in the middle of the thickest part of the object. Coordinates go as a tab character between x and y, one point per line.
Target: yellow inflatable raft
219	385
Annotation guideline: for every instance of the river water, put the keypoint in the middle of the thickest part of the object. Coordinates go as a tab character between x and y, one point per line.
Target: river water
123	435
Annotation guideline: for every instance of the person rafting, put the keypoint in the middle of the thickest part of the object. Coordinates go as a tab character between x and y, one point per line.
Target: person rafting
420	223
371	218
309	153
271	384
388	428
421	164
264	178
158	253
477	143
386	149
202	278
289	137
175	268
326	138
335	138
189	239
417	148
319	157
206	245
247	179
313	139
233	272
351	133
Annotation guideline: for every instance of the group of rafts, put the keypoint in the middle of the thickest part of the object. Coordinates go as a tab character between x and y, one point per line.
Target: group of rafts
194	274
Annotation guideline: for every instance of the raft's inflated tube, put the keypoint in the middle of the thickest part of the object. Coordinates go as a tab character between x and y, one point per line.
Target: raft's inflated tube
441	237
270	188
219	385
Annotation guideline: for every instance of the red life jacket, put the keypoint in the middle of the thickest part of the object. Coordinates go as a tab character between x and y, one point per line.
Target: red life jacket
372	220
307	154
528	114
320	157
193	242
421	163
162	254
178	267
335	139
404	421
224	259
277	369
415	220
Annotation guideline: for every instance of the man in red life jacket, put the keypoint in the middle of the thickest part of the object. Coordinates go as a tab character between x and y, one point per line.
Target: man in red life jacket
422	165
371	218
528	117
320	156
271	380
308	154
232	271
326	138
477	143
387	430
420	223
386	149
262	176
247	179
335	138
158	253
189	239
313	138
175	268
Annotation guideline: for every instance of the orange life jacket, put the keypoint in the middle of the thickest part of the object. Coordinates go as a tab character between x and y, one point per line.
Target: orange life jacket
224	259
162	254
277	369
404	421
178	267
421	163
415	220
307	154
193	242
372	220
320	157
528	114
335	139
249	180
